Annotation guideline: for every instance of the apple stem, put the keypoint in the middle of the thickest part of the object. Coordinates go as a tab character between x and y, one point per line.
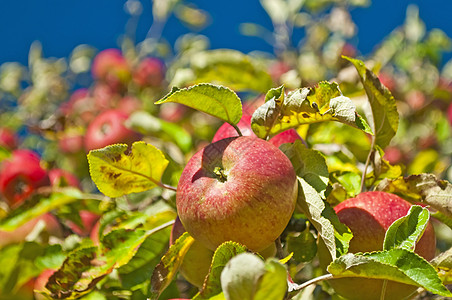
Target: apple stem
299	287
237	129
219	172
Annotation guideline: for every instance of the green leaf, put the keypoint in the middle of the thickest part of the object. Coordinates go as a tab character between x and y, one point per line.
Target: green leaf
117	173
383	104
147	124
397	264
169	265
55	200
406	231
306	106
335	234
215	100
227	67
303	245
425	188
212	284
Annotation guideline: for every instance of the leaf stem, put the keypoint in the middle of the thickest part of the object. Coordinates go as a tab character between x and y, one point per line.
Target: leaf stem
299	287
158	228
383	290
166	186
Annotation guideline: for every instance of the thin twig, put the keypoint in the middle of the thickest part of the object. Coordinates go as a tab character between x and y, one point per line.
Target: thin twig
372	149
298	287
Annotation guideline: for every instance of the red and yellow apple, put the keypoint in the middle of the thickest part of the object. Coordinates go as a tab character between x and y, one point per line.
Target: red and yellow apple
240	189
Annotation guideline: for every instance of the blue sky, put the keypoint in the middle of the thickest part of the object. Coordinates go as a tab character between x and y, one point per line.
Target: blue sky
61	25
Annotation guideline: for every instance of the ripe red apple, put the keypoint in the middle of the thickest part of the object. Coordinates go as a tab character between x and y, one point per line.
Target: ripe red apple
61	178
108	128
21	175
111	67
89	220
239	189
8	139
196	263
368	216
80	106
150	72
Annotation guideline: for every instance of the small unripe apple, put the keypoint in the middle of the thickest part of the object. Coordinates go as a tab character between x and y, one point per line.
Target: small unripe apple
240	189
21	175
368	216
109	128
8	139
150	72
196	263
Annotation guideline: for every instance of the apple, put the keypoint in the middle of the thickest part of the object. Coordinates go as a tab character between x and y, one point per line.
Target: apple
21	175
8	139
368	216
79	106
104	96
150	72
71	142
240	189
129	104
60	178
108	128
393	155
196	263
277	69
111	67
449	114
226	130
89	220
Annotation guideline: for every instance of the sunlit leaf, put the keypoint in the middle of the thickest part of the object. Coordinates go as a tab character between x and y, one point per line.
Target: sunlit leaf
398	265
321	103
383	105
169	265
303	245
117	172
273	285
443	264
406	231
212	284
215	100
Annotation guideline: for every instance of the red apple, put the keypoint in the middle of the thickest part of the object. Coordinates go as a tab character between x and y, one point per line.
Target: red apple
449	114
288	136
104	96
70	142
196	263
108	128
129	104
240	189
393	155
8	139
21	175
111	67
89	220
368	216
277	69
61	178
80	106
150	72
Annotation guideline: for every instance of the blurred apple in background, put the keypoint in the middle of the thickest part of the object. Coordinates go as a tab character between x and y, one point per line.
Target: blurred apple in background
108	128
40	283
89	220
150	72
111	67
62	178
21	175
8	139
